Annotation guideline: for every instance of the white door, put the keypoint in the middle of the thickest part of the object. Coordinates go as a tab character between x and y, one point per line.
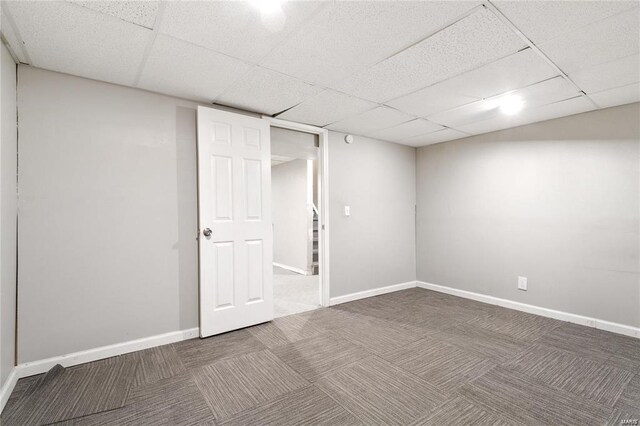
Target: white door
234	216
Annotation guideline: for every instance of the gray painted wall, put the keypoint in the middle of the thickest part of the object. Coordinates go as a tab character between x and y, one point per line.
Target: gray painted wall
556	201
108	214
375	246
290	214
8	213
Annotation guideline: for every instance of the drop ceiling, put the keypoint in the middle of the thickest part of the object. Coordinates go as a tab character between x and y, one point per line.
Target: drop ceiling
409	72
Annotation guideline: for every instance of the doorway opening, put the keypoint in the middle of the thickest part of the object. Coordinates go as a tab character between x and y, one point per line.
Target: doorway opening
298	218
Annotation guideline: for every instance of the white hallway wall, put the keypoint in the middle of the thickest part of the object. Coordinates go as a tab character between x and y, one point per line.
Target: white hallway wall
556	201
8	214
108	214
290	214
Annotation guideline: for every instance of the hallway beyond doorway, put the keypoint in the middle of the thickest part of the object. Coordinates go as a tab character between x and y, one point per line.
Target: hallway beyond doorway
294	293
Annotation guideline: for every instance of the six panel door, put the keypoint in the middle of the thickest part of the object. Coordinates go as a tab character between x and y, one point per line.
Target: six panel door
234	215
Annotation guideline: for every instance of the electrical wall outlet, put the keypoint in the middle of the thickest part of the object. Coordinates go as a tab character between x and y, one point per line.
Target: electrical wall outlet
522	283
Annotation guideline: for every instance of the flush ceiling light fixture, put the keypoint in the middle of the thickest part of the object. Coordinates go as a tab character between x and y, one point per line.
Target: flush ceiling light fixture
267	6
511	104
271	13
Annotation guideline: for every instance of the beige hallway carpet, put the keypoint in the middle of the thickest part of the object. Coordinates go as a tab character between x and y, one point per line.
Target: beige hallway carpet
294	293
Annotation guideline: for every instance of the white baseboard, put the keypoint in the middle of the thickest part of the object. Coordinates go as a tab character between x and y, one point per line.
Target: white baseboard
370	293
291	268
36	367
613	327
42	366
7	387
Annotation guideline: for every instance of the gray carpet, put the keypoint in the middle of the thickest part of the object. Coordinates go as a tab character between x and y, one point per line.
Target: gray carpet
522	399
459	411
63	394
380	393
247	381
413	357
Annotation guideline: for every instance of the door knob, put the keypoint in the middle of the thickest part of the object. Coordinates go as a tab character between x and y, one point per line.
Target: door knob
207	232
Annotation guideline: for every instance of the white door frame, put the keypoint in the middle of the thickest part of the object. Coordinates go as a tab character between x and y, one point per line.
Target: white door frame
323	197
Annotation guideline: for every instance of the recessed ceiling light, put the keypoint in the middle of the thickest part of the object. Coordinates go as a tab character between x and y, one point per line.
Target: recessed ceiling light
267	6
511	104
271	13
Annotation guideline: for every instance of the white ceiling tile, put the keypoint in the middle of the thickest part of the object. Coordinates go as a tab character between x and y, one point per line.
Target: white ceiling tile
267	92
544	20
370	121
439	97
546	92
326	107
235	28
478	39
491	125
63	37
185	70
141	13
620	72
513	72
406	130
435	137
606	40
349	36
618	96
546	112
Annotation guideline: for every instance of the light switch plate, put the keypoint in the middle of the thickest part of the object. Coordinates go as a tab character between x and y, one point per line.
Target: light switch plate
522	283
347	210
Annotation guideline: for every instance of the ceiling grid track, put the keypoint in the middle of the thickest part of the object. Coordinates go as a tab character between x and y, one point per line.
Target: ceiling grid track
381	71
152	40
431	34
383	104
470	12
16	33
453	21
444	27
491	7
9	49
258	63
